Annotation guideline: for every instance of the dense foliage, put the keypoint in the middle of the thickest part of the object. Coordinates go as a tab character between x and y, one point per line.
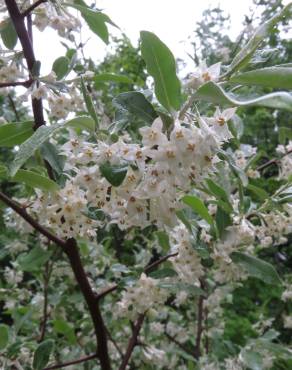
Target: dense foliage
145	226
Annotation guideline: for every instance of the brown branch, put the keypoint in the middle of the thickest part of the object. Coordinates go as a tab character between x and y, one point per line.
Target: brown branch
19	25
70	248
132	342
200	320
13	106
25	38
74	362
172	339
148	268
110	337
29	10
73	254
273	161
43	326
199	327
26	83
22	212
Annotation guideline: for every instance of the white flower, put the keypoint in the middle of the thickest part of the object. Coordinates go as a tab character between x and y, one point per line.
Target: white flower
153	135
145	294
287	322
204	74
219	125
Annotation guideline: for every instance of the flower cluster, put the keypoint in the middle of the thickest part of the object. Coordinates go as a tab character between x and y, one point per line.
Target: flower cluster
47	15
187	263
145	295
157	172
286	160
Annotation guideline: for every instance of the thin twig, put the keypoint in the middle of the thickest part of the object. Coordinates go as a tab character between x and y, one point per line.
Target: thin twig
132	342
32	7
148	268
273	161
26	83
200	317
74	362
22	212
200	320
110	337
47	275
172	339
13	106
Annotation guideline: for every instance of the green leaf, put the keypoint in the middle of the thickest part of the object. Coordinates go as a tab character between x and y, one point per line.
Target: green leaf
177	287
61	67
50	154
89	103
222	219
35	180
214	93
161	66
34	259
82	122
115	174
40	136
259	192
4	336
245	54
3	171
252	360
12	134
137	105
163	240
42	354
163	273
257	268
27	148
96	21
237	171
284	134
198	207
112	77
217	190
66	329
8	34
278	77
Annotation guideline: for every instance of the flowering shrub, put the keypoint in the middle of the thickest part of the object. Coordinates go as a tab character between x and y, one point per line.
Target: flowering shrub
124	242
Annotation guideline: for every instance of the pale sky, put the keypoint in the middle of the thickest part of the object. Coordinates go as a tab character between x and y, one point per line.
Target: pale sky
172	21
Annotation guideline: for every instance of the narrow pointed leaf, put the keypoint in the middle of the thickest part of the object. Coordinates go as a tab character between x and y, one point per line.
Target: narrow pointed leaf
198	207
35	180
27	149
115	174
89	103
214	93
12	134
277	77
95	20
4	336
8	34
257	268
137	105
42	354
39	137
245	54
112	77
61	67
161	66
